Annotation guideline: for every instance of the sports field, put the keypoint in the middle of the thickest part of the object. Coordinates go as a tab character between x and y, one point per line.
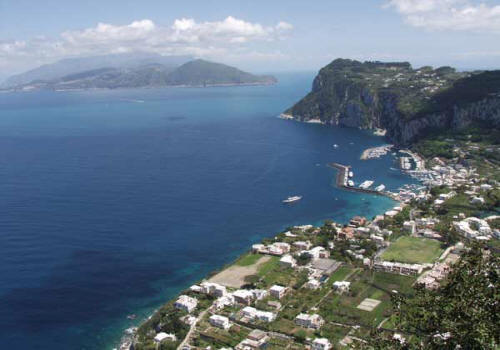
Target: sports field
413	250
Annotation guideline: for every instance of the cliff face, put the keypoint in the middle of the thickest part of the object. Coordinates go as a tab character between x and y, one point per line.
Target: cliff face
406	102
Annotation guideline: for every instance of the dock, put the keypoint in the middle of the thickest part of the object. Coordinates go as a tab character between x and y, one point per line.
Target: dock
341	182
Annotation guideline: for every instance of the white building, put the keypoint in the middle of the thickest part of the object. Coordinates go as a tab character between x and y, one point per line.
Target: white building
226	300
341	286
313	284
303	245
409	226
253	313
278	291
243	296
164	336
213	289
321	344
219	321
314	321
186	303
473	228
288	261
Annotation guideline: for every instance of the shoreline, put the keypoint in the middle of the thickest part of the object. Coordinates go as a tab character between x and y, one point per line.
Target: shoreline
128	337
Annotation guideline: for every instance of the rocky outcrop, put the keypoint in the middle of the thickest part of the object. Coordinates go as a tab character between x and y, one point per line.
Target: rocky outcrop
407	103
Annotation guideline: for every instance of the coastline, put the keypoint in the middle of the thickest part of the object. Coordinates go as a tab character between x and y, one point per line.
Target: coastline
129	335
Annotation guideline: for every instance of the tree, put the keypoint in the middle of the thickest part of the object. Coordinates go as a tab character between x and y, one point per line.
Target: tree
463	314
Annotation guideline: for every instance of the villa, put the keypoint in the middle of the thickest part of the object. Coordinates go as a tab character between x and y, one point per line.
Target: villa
186	303
314	321
219	321
321	344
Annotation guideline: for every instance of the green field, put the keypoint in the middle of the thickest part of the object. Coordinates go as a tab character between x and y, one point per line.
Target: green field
248	259
413	250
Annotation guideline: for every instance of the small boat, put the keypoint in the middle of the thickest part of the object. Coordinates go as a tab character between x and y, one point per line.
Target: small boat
292	199
132	316
350	183
351	174
366	184
335	146
380	188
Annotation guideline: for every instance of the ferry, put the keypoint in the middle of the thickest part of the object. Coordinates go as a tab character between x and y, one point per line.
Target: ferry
366	184
292	199
380	188
350	183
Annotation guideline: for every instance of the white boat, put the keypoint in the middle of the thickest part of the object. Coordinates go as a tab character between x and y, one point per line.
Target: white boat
380	188
366	184
351	174
335	146
292	199
350	183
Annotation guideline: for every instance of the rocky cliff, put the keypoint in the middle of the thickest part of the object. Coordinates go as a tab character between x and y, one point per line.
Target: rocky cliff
407	102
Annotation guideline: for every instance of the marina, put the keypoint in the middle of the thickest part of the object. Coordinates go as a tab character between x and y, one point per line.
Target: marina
343	182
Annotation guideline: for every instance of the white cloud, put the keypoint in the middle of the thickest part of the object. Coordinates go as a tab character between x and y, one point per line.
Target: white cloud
184	36
459	15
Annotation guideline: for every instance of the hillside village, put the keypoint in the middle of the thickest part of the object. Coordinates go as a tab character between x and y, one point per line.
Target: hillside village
328	287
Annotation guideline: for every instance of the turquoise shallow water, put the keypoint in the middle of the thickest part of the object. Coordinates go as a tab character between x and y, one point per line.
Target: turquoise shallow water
113	201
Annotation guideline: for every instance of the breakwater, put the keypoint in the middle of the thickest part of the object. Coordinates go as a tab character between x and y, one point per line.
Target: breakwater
341	182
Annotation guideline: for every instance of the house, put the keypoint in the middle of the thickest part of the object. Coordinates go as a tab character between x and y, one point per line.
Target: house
288	261
485	187
226	300
257	339
409	226
252	313
317	253
477	200
313	284
213	289
243	296
321	344
303	245
358	221
341	286
164	336
278	291
314	321
186	303
219	321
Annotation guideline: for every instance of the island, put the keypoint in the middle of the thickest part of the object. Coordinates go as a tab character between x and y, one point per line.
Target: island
153	72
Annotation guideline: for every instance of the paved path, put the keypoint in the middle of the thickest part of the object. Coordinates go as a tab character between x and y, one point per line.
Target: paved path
192	329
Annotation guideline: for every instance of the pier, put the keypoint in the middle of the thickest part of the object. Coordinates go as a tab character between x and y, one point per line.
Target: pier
341	182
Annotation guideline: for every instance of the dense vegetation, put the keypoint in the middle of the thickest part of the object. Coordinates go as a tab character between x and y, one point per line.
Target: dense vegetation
462	314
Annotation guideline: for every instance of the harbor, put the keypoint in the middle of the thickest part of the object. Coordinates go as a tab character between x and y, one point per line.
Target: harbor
342	181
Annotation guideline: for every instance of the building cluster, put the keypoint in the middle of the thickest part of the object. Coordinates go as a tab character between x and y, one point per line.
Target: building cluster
431	279
474	228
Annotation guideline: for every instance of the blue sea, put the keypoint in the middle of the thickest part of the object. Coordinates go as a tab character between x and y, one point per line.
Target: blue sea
111	202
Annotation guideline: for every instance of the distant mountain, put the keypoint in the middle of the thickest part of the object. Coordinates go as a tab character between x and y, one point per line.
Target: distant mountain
62	68
200	72
193	73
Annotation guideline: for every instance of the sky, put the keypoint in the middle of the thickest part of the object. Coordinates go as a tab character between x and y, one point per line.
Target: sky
256	35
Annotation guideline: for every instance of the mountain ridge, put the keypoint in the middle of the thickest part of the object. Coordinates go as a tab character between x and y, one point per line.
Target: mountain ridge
148	73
